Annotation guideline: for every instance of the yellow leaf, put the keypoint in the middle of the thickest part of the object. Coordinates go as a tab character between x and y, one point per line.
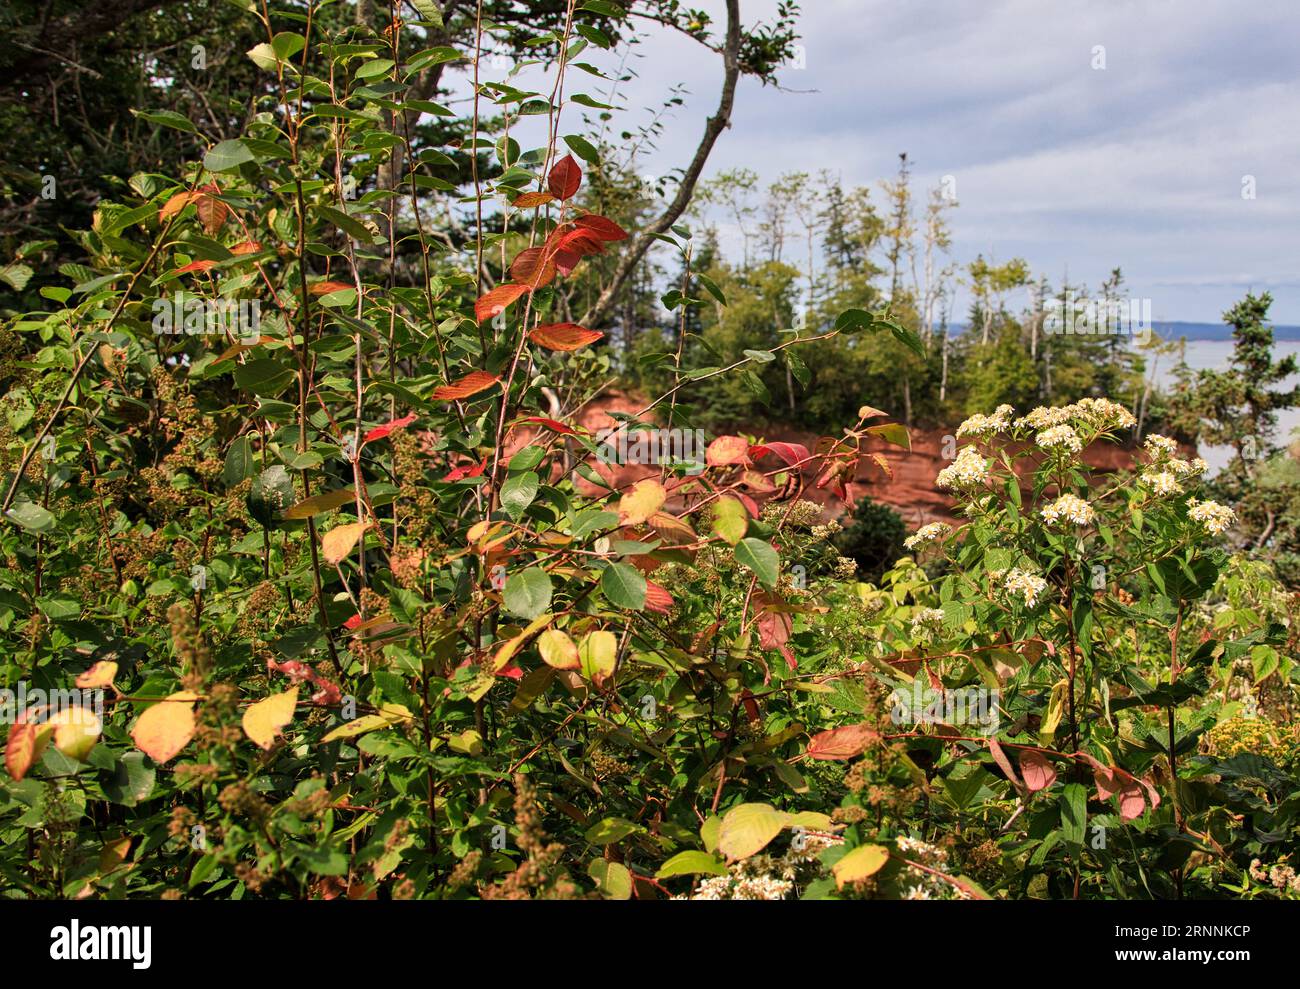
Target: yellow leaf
263	720
645	498
598	655
747	829
863	861
507	652
338	542
166	727
389	715
99	675
76	730
558	650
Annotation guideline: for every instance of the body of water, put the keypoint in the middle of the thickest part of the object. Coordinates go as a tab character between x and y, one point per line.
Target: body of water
1216	355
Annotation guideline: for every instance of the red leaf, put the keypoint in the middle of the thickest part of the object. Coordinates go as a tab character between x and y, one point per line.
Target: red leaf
466	470
564	336
496	301
194	266
727	450
566	261
751	706
379	432
582	243
657	598
1036	769
774	629
565	178
530	199
559	427
1000	757
352	622
1131	804
602	227
532	269
471	384
842	743
789	453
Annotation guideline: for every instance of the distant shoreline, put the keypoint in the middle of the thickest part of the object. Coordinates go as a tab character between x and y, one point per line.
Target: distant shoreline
1173	329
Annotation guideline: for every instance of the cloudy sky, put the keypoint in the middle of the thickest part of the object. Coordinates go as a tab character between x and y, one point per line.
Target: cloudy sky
1074	168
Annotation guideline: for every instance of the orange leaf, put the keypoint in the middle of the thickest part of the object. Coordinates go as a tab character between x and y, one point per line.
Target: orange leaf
564	336
194	266
497	300
325	288
530	199
23	749
175	204
657	598
842	743
246	247
727	450
166	727
212	212
565	178
338	542
471	384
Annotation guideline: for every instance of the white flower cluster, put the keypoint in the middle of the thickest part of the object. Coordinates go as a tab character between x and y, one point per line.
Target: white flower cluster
927	623
1188	468
1215	517
1069	507
1161	483
1060	436
767	876
982	425
1160	446
927	534
967	471
1100	413
926	885
1028	585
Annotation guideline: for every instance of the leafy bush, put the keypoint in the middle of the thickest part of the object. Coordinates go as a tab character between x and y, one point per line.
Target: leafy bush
874	537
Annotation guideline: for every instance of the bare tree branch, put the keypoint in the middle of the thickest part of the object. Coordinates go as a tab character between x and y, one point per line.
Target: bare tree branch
713	127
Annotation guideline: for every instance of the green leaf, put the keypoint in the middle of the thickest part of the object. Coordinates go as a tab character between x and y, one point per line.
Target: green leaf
518	493
583	148
264	377
692	863
374	68
528	593
1074	813
227	156
349	224
239	462
623	586
31	516
760	557
610	830
613	878
730	520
